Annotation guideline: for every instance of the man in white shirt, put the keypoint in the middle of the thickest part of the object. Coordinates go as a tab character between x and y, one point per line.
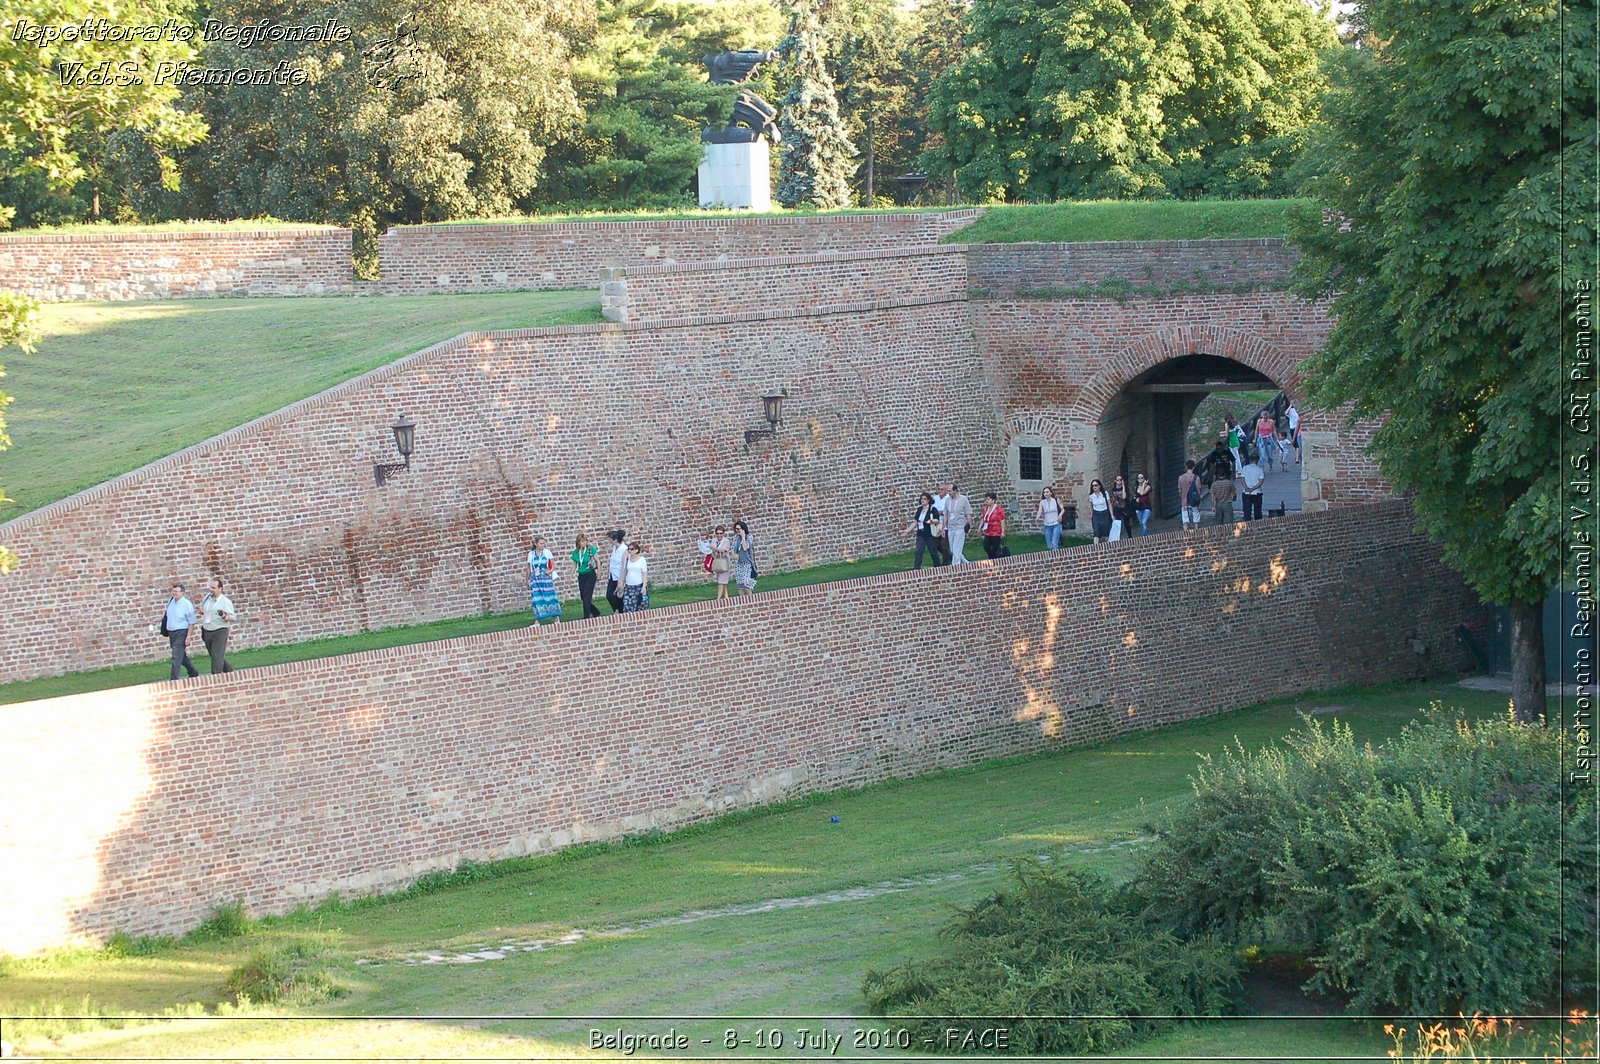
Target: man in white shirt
941	500
619	558
1251	478
957	516
1293	417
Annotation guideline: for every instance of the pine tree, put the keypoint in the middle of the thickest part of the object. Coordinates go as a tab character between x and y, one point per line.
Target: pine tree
817	161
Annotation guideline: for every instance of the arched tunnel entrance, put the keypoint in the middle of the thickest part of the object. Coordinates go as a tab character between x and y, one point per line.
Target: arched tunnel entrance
1145	426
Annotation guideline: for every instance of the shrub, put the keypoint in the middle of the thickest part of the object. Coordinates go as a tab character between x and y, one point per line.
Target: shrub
1424	877
226	921
293	974
1055	944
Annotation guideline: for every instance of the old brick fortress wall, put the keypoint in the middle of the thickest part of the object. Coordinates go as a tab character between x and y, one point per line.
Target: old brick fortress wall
142	809
553	431
218	262
489	258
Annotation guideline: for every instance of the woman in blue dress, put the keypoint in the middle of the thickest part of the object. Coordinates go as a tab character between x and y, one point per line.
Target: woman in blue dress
542	584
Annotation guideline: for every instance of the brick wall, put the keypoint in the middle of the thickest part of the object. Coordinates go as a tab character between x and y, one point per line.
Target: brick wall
686	290
1000	269
144	808
487	258
225	262
553	431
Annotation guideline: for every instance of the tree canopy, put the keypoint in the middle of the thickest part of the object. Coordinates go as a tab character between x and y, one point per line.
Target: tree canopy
1442	251
817	158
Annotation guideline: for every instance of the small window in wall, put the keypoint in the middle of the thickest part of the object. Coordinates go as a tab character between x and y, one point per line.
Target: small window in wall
1030	463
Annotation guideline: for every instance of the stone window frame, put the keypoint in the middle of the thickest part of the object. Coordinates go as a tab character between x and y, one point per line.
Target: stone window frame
1014	463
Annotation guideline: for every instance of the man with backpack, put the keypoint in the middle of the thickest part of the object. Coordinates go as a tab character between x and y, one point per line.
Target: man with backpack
1189	496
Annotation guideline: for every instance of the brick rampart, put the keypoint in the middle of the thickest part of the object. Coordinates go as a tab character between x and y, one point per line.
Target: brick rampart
119	266
551	431
142	809
1002	269
488	258
811	282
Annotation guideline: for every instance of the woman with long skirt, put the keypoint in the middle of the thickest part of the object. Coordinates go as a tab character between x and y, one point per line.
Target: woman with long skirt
542	584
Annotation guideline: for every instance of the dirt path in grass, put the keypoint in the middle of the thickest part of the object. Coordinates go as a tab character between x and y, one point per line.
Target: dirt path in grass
507	947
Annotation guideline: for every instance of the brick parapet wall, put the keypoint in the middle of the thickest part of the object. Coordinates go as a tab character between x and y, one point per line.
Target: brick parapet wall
123	266
548	431
488	258
1002	269
147	807
824	282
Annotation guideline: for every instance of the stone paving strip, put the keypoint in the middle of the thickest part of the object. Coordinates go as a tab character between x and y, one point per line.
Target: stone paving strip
477	953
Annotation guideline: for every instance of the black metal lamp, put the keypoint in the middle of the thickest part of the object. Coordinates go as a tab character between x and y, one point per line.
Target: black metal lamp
772	407
405	441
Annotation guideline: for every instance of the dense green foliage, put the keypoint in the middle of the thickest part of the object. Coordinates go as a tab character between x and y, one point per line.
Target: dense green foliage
1056	949
1060	99
1426	875
1442	175
816	158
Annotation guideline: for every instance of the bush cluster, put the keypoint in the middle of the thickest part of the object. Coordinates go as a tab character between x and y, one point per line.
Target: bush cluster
1055	944
1425	877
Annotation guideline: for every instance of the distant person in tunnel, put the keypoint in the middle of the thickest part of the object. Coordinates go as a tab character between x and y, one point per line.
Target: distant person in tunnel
1235	436
1121	508
1099	511
1189	496
1251	480
1141	503
1223	494
1292	416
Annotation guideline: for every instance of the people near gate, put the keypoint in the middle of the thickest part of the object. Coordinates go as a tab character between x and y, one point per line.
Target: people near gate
635	580
1266	438
1283	450
1292	416
1050	517
1141	503
1251	480
928	526
583	553
216	614
993	523
1234	435
176	621
1099	511
1121	508
542	584
957	519
1189	496
1217	461
1223	494
619	559
744	558
721	559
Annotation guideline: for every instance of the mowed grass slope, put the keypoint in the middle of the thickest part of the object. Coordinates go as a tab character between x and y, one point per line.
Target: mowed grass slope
1100	220
695	924
114	386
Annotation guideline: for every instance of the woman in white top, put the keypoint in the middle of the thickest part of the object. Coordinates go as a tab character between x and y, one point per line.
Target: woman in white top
636	581
722	560
1050	517
216	610
1099	511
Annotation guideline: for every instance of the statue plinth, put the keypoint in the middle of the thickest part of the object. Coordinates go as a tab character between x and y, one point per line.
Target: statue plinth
736	173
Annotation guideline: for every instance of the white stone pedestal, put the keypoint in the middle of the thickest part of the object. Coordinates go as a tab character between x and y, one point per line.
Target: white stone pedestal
736	175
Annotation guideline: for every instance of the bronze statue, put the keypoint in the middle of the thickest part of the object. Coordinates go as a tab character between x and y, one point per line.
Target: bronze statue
752	116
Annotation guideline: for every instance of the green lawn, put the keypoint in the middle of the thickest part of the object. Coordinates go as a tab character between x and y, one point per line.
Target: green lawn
689	924
129	675
1128	220
116	385
689	214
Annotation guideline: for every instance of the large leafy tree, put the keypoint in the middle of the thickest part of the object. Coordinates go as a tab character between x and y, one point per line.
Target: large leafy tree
645	99
434	109
817	157
1439	162
1121	98
871	69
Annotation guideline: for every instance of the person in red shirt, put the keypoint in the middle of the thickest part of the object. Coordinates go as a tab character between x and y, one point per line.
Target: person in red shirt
993	523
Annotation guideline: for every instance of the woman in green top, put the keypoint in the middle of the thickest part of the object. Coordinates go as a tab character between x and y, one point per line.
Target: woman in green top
583	561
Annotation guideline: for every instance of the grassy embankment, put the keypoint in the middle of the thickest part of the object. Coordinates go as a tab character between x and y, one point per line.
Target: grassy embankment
1098	220
113	386
687	924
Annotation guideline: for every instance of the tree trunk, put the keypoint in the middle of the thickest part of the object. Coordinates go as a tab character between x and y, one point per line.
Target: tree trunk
1527	660
870	161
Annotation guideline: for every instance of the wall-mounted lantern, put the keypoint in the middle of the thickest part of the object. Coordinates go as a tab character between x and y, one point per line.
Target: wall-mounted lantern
772	407
405	441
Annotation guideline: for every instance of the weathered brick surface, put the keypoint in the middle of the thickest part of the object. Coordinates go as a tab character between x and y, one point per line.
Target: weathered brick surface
488	258
1000	269
814	282
142	809
117	266
553	431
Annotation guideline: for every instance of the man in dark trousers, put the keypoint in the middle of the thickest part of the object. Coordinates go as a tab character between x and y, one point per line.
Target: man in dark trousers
619	558
180	617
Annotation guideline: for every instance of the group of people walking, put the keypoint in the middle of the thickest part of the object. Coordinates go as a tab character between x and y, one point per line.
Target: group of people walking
1113	514
942	523
214	618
